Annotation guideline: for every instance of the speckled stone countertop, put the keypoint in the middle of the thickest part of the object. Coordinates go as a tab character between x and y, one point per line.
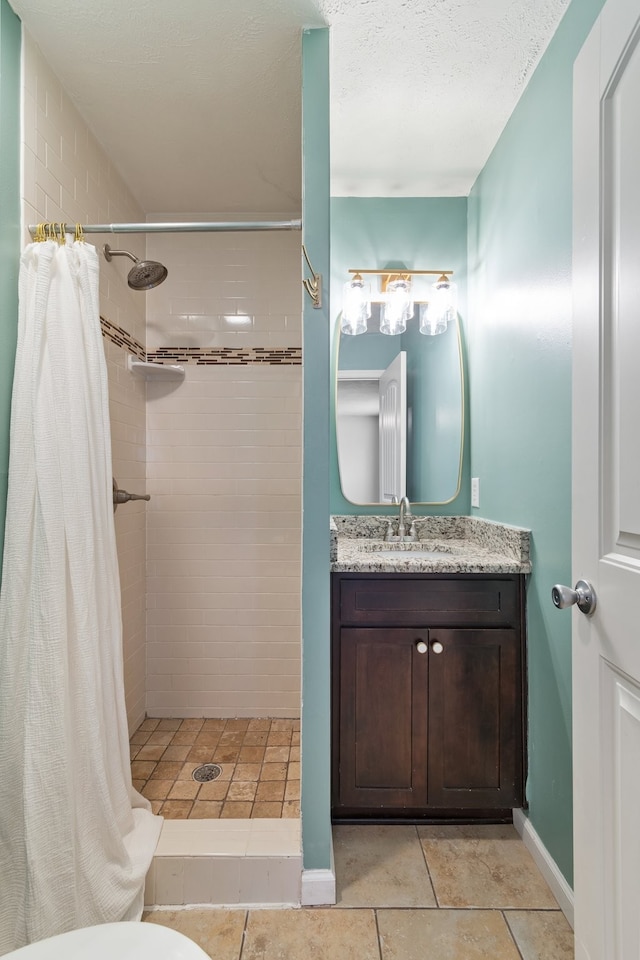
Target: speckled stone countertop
453	545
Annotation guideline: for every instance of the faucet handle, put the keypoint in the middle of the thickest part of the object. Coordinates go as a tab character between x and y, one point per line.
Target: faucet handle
389	531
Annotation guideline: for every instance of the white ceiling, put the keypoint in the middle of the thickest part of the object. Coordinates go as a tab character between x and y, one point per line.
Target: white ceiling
198	102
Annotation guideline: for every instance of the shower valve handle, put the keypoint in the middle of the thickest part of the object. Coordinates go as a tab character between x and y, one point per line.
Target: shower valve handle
122	496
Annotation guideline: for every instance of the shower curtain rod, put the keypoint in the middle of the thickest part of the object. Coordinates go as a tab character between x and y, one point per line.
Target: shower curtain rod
214	227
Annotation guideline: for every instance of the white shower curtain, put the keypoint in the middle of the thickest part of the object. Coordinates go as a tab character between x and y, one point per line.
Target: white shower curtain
75	839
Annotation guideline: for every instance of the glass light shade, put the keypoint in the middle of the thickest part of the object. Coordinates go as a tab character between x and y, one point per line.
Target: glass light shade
443	306
431	324
397	308
356	306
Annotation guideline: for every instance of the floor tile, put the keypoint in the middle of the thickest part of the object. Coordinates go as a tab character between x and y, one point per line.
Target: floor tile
176	752
292	791
445	935
142	769
192	723
270	790
206	809
236	809
541	935
269	810
184	790
272	771
380	866
156	789
217	932
166	770
200	754
242	790
160	736
169	725
214	790
483	867
247	771
150	752
148	724
307	934
251	754
176	809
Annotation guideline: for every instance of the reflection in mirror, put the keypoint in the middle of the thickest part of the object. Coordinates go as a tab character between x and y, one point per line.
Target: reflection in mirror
400	415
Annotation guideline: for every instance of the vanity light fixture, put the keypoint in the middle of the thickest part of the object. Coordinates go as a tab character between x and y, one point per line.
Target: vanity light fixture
397	302
356	305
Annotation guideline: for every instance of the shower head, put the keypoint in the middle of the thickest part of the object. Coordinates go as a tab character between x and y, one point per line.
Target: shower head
144	275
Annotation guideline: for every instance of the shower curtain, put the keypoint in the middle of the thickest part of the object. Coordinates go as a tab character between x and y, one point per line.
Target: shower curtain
75	839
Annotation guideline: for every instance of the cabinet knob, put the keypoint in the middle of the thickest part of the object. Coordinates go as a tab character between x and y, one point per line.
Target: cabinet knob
421	646
436	647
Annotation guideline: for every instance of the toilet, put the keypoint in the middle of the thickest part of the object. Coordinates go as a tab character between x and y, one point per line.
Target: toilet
124	941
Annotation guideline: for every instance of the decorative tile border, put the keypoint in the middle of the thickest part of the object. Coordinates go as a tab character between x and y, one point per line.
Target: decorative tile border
121	338
202	356
228	356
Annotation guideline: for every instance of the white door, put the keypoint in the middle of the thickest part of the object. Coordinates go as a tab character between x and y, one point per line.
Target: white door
392	426
606	486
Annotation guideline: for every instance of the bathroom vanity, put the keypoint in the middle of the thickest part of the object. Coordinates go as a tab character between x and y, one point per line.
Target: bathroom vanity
428	671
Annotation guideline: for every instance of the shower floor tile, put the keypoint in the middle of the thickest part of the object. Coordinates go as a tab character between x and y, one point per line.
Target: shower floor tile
259	760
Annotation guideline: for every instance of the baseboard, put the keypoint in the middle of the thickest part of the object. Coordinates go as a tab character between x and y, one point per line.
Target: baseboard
545	863
318	888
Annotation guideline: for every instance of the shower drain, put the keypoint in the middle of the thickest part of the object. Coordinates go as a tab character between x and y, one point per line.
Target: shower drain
207	772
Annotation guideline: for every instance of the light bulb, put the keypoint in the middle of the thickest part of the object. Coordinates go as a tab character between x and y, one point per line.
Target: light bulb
397	308
356	306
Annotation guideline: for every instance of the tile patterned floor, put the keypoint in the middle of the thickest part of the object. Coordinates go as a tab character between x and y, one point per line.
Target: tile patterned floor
260	761
404	893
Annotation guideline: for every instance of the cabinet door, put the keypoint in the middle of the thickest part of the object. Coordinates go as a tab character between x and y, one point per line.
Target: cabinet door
382	718
475	728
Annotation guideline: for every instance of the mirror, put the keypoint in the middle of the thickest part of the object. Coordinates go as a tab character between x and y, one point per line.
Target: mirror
399	415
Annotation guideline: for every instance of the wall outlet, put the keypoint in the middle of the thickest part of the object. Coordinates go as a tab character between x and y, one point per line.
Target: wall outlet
475	491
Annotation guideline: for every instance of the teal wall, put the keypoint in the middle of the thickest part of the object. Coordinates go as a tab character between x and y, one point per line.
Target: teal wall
412	232
519	337
9	228
316	774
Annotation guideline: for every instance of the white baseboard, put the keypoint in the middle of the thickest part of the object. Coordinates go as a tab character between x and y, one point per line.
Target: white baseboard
545	863
318	888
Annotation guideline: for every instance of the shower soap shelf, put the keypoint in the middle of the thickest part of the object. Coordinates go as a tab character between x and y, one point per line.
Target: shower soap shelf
155	371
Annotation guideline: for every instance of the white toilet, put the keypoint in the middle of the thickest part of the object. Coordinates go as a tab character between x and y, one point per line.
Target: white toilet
113	941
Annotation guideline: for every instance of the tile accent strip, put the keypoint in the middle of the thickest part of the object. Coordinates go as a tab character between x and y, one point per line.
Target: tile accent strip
202	356
228	356
121	338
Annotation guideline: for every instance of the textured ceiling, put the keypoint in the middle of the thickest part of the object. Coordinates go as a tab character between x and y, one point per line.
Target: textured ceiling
198	102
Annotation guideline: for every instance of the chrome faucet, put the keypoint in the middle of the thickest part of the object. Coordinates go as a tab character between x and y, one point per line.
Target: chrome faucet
405	510
405	514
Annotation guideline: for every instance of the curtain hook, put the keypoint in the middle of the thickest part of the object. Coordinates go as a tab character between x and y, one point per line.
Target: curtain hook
79	234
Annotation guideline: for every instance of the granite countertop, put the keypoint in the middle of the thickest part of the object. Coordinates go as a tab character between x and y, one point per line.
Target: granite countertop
444	545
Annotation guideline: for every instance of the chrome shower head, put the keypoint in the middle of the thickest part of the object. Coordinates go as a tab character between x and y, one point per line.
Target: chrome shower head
144	275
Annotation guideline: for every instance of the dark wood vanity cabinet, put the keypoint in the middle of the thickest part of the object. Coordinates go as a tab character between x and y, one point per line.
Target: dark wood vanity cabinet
427	696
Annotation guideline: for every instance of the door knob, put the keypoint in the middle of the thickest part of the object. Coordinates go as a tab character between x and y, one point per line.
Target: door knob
584	596
421	646
437	647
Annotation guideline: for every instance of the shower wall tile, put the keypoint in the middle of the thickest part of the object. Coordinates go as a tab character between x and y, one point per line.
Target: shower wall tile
67	177
226	289
223	542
